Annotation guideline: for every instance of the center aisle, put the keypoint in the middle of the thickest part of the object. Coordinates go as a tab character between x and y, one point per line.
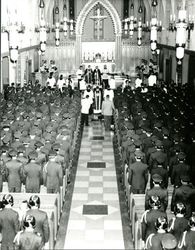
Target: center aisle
95	218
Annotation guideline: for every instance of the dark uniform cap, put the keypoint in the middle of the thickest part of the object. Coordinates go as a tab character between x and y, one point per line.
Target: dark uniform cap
135	137
131	149
169	241
12	152
33	155
165	132
21	149
48	137
4	148
52	153
185	178
157	178
139	154
181	156
38	115
138	132
44	150
129	125
160	160
49	129
24	133
17	134
36	123
56	146
158	125
39	144
158	143
176	138
154	138
137	143
6	126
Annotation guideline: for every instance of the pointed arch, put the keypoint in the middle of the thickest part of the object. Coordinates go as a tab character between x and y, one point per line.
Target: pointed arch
89	6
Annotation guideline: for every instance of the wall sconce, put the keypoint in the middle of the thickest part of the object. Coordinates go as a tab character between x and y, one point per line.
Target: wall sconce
181	26
43	29
139	32
154	27
57	34
154	3
13	29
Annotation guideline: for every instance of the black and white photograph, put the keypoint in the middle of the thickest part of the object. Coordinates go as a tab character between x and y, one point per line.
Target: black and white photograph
97	125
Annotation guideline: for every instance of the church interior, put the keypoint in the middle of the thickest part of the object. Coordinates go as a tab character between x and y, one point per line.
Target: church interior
97	124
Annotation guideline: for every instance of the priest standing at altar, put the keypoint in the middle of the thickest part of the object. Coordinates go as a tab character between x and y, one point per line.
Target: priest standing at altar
88	75
97	76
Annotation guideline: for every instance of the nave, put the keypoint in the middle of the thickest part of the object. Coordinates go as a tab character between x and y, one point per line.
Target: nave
98	217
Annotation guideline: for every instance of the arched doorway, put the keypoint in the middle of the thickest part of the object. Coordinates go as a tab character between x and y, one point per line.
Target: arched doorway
116	24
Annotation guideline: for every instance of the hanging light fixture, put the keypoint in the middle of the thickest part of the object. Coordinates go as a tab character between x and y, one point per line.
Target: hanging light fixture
181	28
57	10
41	4
12	28
140	9
154	3
65	19
139	32
43	29
132	6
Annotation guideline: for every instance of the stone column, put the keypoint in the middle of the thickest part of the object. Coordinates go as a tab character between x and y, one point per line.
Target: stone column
118	52
78	51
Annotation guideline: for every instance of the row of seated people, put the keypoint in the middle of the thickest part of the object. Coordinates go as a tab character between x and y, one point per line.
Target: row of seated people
61	89
37	134
27	228
155	130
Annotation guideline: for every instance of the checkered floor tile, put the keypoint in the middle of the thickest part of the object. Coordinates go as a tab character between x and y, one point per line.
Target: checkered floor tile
95	201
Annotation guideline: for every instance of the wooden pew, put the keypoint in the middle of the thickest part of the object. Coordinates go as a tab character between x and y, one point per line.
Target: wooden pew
137	233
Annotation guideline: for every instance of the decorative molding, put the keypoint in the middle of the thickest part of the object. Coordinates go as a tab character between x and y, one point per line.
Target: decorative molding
87	8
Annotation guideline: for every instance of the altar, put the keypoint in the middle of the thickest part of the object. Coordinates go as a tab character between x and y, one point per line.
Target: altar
110	65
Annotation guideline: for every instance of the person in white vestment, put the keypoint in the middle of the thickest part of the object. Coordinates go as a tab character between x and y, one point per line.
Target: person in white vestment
112	83
109	92
152	80
89	92
82	84
51	81
138	82
79	74
61	82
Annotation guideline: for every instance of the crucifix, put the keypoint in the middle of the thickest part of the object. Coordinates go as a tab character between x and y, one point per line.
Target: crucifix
98	18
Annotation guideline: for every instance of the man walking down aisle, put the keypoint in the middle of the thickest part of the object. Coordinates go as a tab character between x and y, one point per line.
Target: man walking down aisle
85	106
107	112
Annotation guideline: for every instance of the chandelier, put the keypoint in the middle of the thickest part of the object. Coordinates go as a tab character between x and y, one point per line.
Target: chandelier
43	29
66	25
13	28
183	27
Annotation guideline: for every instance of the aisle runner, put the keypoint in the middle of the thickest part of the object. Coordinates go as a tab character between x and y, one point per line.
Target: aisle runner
95	218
